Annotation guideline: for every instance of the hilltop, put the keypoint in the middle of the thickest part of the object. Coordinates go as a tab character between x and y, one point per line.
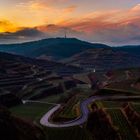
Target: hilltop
54	48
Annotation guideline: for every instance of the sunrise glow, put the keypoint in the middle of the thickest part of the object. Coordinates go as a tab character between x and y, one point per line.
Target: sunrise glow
90	20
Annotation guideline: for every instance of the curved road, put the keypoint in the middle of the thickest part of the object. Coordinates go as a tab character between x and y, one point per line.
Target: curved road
84	109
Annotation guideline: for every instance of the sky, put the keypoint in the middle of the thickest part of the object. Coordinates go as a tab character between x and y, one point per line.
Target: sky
113	22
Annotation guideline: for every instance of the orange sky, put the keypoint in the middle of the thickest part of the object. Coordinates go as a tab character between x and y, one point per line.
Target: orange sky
81	18
29	13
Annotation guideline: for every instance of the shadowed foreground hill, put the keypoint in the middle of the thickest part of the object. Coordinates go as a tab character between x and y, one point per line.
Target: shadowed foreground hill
13	128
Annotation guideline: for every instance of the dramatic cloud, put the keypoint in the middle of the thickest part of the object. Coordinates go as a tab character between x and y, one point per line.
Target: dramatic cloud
136	8
34	5
112	26
42	5
6	25
70	9
24	34
59	31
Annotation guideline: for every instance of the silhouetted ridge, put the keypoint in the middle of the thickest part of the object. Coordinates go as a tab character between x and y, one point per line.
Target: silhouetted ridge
57	48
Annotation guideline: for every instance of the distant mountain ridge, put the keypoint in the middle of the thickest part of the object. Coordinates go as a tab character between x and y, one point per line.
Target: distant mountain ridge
57	48
72	51
132	49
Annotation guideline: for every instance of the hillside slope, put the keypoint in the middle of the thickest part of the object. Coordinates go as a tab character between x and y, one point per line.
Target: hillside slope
55	48
14	128
135	50
104	59
53	66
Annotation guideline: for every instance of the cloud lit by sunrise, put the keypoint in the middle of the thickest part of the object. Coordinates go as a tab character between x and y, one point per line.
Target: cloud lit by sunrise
7	26
94	24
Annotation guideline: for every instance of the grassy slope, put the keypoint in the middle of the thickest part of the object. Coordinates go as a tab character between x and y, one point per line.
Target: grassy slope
31	111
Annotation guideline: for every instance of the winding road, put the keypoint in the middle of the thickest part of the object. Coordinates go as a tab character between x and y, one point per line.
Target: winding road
45	120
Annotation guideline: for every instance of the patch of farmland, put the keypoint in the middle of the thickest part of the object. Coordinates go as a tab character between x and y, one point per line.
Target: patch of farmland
108	104
31	111
121	123
72	108
136	106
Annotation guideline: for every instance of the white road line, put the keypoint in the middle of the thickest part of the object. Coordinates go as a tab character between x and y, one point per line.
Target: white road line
31	101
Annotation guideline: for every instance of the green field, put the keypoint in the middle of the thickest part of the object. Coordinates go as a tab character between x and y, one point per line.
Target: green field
55	98
31	111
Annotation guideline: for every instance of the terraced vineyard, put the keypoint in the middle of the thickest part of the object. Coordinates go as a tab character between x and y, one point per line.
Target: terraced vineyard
72	108
113	108
136	106
121	123
108	104
30	88
24	78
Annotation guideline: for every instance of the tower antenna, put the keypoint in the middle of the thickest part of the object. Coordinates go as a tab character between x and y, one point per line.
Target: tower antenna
65	33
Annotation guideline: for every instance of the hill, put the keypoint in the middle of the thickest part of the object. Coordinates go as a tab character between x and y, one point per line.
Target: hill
75	52
104	59
135	50
56	67
54	48
22	77
14	128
